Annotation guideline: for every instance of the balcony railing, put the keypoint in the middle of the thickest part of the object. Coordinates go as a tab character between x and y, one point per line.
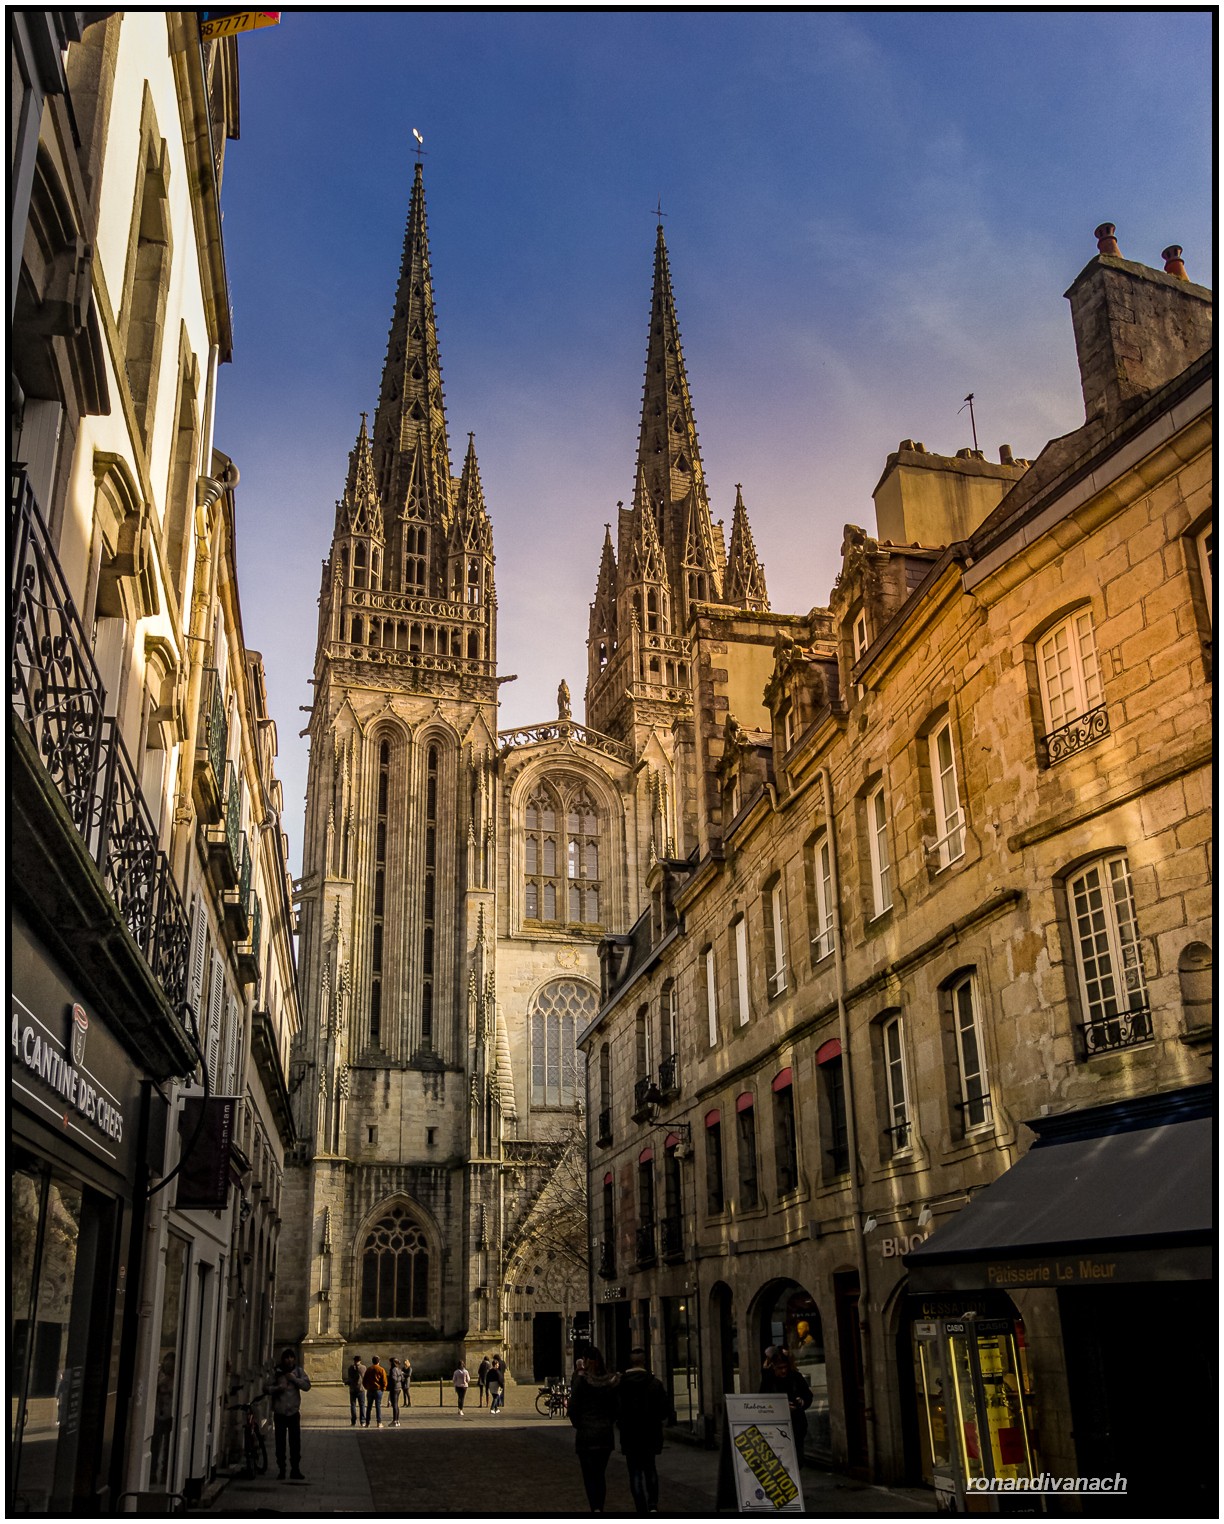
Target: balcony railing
210	750
57	694
669	1080
224	840
671	1233
646	1253
607	1260
641	1098
1105	1034
603	1135
1084	730
238	900
247	953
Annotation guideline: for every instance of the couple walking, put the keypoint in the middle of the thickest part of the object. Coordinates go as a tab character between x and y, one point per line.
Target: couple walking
490	1378
367	1383
636	1404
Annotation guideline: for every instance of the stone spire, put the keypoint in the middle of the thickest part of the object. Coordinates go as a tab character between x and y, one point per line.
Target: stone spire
470	542
603	624
745	583
670	478
643	559
410	450
360	510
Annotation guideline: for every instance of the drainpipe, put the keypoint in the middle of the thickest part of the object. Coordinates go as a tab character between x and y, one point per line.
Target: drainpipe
856	1194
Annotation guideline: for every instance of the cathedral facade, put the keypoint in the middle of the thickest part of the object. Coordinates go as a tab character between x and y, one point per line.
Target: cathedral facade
458	879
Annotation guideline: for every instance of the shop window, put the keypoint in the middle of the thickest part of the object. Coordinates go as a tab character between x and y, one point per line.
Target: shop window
794	1323
395	1269
559	1012
1072	695
786	1149
818	876
1109	959
715	1200
746	1143
162	1457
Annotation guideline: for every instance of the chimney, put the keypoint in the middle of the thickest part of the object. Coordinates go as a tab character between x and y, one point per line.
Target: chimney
1135	328
1006	458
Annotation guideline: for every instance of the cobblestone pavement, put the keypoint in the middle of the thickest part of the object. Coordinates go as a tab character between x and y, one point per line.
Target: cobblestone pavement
514	1464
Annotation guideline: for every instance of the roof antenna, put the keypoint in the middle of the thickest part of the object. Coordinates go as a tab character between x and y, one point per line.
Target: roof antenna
420	148
972	423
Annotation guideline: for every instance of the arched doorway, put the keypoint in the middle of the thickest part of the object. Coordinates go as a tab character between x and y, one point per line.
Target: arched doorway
787	1314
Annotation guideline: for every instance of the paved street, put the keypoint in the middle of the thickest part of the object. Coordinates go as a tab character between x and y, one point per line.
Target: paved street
515	1464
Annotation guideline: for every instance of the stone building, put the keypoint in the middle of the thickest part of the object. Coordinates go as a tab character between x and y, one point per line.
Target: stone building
153	987
457	879
950	889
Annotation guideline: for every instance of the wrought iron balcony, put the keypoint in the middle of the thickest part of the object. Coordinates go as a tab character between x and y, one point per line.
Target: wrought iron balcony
646	1252
208	780
1105	1034
642	1098
1084	730
247	953
671	1232
669	1077
607	1260
224	840
237	901
65	740
603	1135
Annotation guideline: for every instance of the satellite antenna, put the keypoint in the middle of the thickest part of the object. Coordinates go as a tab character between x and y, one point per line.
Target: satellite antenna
420	148
972	423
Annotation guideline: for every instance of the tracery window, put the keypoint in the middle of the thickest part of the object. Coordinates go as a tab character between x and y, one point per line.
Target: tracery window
561	855
559	1011
395	1268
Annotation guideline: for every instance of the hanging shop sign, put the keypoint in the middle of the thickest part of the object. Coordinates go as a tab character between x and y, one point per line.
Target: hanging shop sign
614	1293
230	23
759	1444
206	1133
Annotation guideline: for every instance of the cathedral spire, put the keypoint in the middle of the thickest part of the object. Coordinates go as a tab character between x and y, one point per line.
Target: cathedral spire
470	545
360	511
670	478
745	583
411	453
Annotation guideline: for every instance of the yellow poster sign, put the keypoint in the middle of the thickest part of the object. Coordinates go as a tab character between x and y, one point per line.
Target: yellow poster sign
229	23
762	1445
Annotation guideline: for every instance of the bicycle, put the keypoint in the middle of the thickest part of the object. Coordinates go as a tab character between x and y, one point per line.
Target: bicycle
254	1443
553	1400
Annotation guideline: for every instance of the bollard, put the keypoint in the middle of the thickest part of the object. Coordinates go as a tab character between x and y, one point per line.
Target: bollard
439	1391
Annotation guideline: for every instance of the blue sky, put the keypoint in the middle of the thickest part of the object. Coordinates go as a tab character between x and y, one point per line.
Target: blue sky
868	215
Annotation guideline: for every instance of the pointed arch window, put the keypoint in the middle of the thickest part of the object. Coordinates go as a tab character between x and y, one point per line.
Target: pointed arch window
395	1268
562	855
559	1012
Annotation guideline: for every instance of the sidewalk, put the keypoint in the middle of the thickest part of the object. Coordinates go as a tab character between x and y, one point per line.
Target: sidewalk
517	1464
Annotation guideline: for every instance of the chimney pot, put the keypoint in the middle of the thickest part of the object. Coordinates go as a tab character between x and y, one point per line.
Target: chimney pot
1106	242
1172	257
1005	456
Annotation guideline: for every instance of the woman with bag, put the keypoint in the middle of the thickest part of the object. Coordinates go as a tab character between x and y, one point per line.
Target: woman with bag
592	1411
461	1381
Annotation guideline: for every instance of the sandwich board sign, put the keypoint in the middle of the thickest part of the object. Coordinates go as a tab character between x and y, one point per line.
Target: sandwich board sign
761	1450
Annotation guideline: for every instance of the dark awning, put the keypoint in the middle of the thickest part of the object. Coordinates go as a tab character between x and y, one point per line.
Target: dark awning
1111	1194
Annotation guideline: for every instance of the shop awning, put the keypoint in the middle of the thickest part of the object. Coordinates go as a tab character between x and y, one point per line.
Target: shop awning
1111	1194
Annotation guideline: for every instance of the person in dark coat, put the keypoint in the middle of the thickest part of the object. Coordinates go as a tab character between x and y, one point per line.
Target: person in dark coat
495	1385
643	1407
285	1386
482	1372
592	1411
782	1375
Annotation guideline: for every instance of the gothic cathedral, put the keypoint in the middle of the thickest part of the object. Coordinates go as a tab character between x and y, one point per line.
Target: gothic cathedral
458	879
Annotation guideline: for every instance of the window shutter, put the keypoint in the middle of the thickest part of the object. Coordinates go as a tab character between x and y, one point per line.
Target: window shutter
199	942
216	1014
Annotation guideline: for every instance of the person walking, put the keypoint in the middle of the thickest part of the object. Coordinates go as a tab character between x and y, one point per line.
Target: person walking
406	1367
482	1372
494	1386
353	1377
592	1411
285	1386
395	1389
782	1375
642	1408
375	1383
461	1381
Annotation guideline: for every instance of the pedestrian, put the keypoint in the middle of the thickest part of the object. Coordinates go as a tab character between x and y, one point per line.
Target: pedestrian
643	1407
285	1386
782	1375
375	1383
592	1411
461	1381
395	1389
406	1367
482	1372
353	1377
494	1386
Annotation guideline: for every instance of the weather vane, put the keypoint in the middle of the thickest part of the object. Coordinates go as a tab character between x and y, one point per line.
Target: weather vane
420	141
972	421
659	212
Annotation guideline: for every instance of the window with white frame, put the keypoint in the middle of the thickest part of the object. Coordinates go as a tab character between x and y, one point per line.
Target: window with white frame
858	640
949	821
711	996
1204	544
819	869
669	1037
775	937
739	932
877	849
788	725
1070	679
970	1062
896	1089
1109	959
